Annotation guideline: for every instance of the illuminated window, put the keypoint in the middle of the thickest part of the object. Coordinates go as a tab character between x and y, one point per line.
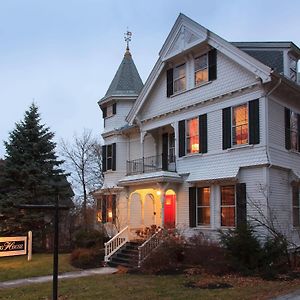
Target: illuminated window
296	206
203	206
179	78
192	136
240	127
294	133
201	69
228	205
106	206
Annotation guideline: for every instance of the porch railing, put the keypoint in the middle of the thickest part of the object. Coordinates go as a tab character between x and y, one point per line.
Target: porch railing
151	164
115	243
148	246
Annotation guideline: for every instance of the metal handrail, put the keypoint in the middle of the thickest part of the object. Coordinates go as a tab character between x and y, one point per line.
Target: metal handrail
115	243
148	246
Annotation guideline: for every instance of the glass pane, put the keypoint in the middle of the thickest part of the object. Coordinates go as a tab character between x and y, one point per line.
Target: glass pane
201	62
240	125
203	215
240	115
201	76
179	71
296	217
227	216
179	84
109	151
193	136
204	196
109	111
109	163
294	121
294	140
227	195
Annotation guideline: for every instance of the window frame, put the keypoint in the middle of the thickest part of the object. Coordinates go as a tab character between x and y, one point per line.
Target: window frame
175	79
203	206
171	147
228	206
235	126
186	136
296	207
198	70
109	209
109	158
293	70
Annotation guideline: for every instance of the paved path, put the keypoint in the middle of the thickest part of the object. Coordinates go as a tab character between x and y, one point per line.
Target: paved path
41	279
292	296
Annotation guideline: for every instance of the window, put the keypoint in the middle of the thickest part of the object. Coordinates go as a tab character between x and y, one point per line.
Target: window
240	126
294	133
109	111
109	157
228	205
201	69
296	206
179	78
192	136
172	147
293	69
106	206
203	206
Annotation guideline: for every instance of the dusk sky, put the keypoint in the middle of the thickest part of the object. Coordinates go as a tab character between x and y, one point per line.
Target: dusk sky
63	54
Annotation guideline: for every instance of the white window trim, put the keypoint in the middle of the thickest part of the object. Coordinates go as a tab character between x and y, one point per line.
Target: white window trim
232	108
195	71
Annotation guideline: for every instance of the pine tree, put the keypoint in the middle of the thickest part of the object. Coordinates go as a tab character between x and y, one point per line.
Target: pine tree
29	175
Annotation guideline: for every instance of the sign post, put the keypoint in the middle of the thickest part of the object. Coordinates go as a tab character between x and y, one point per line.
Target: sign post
29	245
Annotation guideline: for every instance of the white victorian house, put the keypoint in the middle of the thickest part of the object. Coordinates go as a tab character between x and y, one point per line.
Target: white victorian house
210	141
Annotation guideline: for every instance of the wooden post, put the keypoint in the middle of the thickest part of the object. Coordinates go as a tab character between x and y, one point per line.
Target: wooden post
29	245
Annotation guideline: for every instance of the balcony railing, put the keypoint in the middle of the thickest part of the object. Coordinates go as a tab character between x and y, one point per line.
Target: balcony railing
151	164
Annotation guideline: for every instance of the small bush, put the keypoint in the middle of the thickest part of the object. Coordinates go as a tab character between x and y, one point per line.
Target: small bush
88	238
243	249
84	258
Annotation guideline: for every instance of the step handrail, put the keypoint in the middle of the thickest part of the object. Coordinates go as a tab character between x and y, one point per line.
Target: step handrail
148	246
116	242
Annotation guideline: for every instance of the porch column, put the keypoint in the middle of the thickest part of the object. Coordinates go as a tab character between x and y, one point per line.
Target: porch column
142	140
162	201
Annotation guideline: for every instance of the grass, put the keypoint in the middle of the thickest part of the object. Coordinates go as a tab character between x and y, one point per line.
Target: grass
41	264
126	286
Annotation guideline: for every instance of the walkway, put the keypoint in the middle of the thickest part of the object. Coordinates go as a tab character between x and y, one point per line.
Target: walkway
292	296
69	275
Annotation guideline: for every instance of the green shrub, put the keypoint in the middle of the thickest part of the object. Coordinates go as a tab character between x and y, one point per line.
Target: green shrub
84	258
88	238
243	249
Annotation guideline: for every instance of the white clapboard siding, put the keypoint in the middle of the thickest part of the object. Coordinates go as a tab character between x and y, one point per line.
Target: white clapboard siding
230	76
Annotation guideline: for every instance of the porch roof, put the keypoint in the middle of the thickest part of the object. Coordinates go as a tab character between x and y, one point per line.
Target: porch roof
152	177
214	174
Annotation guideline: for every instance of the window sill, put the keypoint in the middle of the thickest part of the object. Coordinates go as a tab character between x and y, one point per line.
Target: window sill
191	155
109	117
294	151
109	171
207	227
240	147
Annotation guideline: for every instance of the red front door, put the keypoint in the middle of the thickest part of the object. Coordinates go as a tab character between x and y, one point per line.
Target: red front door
169	211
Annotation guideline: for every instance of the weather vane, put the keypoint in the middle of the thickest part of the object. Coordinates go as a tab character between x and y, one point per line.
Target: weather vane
127	38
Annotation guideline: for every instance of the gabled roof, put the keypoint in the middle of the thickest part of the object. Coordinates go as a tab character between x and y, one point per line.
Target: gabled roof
126	82
186	34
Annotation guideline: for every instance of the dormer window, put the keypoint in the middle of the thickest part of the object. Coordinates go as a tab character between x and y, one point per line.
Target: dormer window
179	78
201	69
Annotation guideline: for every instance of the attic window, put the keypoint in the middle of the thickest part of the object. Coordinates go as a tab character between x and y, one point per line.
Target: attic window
201	69
179	78
109	110
293	69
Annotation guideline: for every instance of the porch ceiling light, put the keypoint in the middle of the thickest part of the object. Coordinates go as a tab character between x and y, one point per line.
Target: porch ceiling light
158	192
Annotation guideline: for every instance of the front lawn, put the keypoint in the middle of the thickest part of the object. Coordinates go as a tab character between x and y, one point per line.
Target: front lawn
127	286
17	267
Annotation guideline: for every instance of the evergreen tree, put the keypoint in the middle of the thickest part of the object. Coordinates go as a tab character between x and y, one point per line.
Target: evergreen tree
29	175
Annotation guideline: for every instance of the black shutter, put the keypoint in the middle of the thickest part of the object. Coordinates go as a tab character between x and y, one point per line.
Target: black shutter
226	122
104	166
114	208
298	132
287	125
181	140
114	108
203	133
241	205
165	147
169	82
192	206
104	209
114	157
254	121
212	64
104	112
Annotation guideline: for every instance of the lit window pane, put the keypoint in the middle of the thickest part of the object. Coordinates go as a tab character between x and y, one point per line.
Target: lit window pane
203	215
179	85
201	69
227	195
228	216
240	125
192	136
203	206
203	197
201	76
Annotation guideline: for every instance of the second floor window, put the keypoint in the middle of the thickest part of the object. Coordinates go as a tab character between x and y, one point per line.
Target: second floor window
294	131
201	69
192	136
171	148
179	78
240	125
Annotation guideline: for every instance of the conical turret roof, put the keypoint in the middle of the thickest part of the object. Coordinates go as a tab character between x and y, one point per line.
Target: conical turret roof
127	81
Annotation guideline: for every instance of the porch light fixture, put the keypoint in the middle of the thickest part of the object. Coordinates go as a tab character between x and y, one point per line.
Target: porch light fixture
158	192
110	214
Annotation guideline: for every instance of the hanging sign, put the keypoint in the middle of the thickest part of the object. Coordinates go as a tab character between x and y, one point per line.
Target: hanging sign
10	246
